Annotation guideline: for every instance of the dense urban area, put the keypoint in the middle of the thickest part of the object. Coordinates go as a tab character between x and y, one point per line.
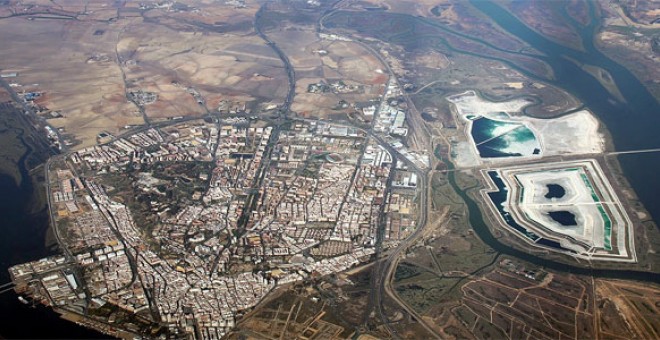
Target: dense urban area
337	169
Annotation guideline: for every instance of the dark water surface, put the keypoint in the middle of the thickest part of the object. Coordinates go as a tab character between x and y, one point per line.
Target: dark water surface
22	240
632	124
555	191
565	218
481	229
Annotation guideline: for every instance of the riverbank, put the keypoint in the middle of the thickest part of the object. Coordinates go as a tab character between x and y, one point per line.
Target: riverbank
485	233
631	123
25	228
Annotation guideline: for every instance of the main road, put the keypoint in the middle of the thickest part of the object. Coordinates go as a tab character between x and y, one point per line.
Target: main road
383	271
290	72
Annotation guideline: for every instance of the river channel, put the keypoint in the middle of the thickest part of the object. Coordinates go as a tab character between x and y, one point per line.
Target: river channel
632	125
24	224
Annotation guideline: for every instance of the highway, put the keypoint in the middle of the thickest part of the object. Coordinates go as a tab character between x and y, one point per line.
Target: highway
290	72
27	115
51	214
383	271
386	260
119	61
7	287
28	112
252	200
412	113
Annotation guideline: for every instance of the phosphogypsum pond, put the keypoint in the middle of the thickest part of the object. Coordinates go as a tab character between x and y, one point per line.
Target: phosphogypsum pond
495	138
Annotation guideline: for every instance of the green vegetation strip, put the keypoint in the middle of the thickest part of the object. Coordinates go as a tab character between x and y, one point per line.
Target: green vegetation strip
607	226
607	223
588	184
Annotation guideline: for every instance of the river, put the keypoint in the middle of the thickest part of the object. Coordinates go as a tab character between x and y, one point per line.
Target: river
24	224
632	124
479	226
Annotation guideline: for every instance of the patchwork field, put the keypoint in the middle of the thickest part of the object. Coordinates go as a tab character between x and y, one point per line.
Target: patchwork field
344	72
104	67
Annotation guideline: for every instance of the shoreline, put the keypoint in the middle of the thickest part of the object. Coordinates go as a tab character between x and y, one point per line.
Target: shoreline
27	233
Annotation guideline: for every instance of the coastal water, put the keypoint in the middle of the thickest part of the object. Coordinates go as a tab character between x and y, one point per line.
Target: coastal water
24	223
632	125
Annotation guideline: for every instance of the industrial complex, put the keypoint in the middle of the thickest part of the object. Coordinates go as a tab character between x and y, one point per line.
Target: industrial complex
568	207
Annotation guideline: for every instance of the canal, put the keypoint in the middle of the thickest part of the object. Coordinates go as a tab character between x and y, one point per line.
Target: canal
481	229
632	125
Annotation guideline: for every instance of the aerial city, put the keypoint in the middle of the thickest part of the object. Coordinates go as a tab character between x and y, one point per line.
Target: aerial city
329	169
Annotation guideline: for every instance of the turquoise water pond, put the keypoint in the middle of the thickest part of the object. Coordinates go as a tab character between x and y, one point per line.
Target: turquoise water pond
498	138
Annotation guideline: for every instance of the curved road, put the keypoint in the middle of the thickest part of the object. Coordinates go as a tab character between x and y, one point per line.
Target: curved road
290	72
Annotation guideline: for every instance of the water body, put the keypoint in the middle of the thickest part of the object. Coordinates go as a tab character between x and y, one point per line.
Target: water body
563	217
23	234
555	191
632	123
481	229
484	129
497	138
23	240
499	198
